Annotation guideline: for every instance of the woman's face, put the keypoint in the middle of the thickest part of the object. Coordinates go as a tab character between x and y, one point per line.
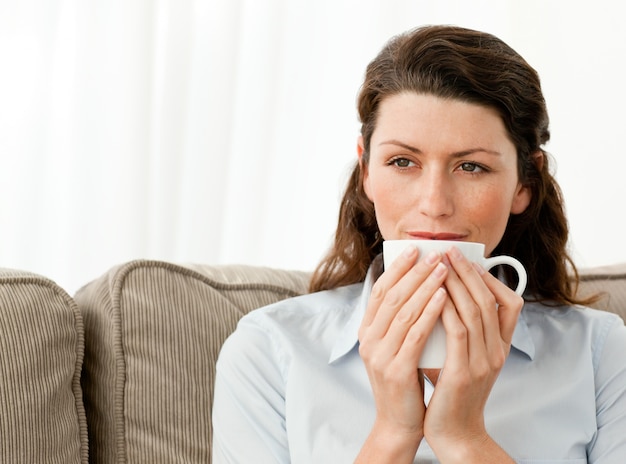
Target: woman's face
442	169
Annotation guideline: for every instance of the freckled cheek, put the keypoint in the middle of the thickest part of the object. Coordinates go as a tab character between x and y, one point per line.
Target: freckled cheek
489	210
391	207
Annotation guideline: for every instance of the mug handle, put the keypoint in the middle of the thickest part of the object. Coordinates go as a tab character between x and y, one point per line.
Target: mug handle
515	264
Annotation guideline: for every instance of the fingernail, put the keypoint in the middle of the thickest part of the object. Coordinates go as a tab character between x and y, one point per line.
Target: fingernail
455	253
440	293
432	257
479	268
409	251
440	269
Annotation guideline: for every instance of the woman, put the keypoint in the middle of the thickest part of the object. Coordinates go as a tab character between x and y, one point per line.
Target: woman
453	124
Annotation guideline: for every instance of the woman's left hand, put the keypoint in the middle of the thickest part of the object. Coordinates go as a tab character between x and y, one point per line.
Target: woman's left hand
479	318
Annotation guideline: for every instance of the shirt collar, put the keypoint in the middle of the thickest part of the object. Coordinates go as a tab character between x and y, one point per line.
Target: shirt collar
349	336
522	340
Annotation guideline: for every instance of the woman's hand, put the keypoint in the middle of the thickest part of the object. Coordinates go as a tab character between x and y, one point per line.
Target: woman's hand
479	316
404	305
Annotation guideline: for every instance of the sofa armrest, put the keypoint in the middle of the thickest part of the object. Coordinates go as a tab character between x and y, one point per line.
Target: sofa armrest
42	418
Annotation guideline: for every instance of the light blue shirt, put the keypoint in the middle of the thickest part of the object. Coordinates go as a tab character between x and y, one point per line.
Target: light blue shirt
292	388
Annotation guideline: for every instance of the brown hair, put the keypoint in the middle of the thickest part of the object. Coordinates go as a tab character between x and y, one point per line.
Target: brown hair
475	67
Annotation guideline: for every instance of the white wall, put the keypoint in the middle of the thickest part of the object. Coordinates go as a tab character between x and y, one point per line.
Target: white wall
222	131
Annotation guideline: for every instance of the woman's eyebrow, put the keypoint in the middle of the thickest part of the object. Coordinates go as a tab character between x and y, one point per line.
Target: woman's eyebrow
458	154
401	144
471	151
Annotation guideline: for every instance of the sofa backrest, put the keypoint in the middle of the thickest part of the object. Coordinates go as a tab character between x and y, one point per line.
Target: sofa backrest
153	331
42	418
609	283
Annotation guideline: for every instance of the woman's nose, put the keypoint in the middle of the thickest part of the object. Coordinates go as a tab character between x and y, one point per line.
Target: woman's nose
436	195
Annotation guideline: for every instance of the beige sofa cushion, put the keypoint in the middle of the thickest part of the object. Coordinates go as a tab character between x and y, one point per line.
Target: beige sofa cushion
609	282
153	332
42	419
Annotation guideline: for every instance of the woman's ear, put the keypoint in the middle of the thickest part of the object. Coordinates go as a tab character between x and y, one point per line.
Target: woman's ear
539	159
523	195
521	200
360	150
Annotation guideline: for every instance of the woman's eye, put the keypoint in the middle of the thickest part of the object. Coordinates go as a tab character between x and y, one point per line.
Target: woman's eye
401	162
471	167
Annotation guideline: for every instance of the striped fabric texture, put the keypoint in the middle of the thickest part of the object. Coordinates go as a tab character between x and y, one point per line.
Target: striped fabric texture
153	331
42	418
609	284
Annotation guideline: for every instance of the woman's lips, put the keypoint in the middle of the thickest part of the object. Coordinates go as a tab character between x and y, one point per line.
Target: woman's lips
436	236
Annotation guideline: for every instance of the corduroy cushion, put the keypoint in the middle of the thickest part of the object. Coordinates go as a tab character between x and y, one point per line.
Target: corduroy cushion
609	282
153	331
42	419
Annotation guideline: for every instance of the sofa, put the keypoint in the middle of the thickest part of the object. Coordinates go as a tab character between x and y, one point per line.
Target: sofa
122	371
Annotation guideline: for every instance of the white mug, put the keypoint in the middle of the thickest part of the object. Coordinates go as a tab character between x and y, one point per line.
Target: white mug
434	353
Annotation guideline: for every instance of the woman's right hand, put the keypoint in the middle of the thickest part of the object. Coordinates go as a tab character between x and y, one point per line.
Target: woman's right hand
404	306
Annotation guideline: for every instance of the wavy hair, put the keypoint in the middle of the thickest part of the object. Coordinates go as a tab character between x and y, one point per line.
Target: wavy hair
475	67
